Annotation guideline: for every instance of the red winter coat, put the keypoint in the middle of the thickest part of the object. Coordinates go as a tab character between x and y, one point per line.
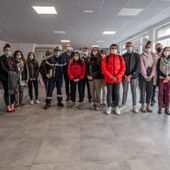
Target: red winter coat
113	66
76	70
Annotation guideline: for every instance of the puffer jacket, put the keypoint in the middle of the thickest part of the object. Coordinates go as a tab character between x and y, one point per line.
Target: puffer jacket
76	70
113	66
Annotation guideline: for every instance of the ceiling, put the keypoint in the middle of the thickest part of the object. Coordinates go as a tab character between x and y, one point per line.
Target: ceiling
20	23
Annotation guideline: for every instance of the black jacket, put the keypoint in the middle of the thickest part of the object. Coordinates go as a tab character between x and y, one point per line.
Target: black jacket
94	68
5	67
132	61
66	59
33	69
56	65
43	68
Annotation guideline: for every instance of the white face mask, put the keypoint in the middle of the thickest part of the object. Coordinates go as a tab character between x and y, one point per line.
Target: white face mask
166	53
94	53
114	51
19	56
31	57
76	58
129	49
86	53
148	50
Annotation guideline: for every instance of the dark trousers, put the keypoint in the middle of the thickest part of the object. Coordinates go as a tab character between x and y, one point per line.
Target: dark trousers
86	83
51	84
73	90
113	89
45	80
8	98
31	84
146	88
67	84
164	88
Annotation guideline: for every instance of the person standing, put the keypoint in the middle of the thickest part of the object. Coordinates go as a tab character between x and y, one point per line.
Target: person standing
163	69
132	61
33	73
76	73
94	76
22	75
43	69
9	77
159	49
113	69
67	56
55	77
86	58
148	71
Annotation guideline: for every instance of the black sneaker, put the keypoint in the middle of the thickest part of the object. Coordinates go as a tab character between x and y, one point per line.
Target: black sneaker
47	106
153	102
60	104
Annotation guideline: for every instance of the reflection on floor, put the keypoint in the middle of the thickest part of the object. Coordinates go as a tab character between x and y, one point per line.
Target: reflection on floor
73	139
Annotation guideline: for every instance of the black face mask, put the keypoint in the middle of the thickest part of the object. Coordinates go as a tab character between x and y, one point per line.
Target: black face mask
159	50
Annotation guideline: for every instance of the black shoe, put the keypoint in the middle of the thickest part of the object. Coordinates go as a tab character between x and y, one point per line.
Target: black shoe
159	111
60	104
47	106
168	113
67	99
153	102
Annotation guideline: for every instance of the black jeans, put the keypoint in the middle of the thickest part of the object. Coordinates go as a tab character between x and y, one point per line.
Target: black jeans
67	84
8	98
110	89
19	95
73	90
30	89
146	88
86	83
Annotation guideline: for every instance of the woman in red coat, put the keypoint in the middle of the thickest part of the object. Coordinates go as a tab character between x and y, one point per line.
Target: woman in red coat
113	69
76	74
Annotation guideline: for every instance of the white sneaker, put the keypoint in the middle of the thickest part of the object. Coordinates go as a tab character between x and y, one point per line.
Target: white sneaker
32	102
117	110
135	109
123	107
37	101
92	106
108	110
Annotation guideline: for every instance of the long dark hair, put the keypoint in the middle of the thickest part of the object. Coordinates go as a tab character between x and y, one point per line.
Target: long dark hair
162	56
34	61
97	58
22	56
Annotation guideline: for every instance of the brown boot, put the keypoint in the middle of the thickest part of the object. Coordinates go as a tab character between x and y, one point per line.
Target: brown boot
142	109
148	109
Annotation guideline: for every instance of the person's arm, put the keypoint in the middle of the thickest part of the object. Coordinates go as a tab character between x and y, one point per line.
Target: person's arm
122	69
82	75
142	67
25	72
37	70
135	72
105	71
69	71
154	65
3	67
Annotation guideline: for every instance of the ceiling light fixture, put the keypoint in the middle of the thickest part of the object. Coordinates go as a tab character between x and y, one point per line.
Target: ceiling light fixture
45	9
109	32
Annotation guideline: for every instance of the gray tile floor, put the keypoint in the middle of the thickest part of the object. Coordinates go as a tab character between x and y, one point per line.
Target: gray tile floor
62	139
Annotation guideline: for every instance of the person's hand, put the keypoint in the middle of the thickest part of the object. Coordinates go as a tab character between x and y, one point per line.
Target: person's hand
128	78
48	76
114	78
89	77
76	80
149	79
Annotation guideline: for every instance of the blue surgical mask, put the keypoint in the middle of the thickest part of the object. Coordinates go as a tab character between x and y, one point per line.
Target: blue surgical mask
69	49
8	53
129	49
114	51
57	54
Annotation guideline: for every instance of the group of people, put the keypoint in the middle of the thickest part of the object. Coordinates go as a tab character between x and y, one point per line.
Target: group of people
101	72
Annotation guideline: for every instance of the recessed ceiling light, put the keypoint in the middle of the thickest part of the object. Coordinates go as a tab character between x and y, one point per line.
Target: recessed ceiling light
45	9
109	32
130	11
95	46
59	32
88	11
65	41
